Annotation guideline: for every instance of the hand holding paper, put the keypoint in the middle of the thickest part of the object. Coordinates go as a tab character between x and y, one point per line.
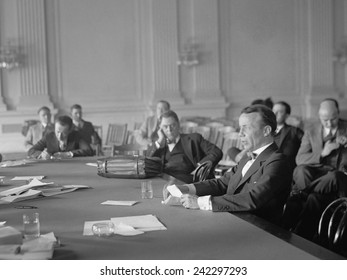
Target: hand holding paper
172	195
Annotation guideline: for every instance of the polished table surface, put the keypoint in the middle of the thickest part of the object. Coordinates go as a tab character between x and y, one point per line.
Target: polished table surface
190	234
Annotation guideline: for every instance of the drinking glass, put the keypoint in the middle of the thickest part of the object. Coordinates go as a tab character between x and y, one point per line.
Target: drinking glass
146	190
31	224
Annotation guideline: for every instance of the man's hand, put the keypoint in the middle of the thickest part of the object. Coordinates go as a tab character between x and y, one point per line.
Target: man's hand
190	201
342	140
161	138
62	155
329	147
44	155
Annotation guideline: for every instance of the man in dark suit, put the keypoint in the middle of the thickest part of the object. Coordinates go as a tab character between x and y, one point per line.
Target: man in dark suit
63	142
85	128
319	177
287	137
182	153
259	184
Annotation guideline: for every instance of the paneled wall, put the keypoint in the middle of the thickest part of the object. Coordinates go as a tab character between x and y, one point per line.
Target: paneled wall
118	57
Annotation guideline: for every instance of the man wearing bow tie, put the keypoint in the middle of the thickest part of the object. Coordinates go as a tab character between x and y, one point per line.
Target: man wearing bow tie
63	142
259	184
182	154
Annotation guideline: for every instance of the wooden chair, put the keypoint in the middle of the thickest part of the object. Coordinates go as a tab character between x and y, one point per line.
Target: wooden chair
204	131
188	127
214	131
332	231
116	136
98	147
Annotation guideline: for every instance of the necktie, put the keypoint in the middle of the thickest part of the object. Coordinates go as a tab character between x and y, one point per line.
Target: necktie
329	136
62	146
251	159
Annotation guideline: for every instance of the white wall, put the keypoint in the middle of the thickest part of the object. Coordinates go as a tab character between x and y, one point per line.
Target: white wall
118	57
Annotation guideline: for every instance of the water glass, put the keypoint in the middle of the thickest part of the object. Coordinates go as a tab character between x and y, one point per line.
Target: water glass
146	190
31	224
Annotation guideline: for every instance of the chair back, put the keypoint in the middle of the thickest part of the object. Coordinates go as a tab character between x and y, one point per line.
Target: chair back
204	131
116	134
332	226
128	149
188	127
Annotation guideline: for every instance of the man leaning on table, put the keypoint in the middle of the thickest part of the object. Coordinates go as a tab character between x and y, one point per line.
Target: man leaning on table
259	183
63	142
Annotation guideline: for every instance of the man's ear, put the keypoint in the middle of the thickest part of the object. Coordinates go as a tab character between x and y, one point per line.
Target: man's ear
267	130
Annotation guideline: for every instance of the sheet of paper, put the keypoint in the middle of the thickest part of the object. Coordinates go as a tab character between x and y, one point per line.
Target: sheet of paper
174	191
119	202
18	190
2	223
25	178
171	200
143	222
121	228
41	248
11	163
126	230
92	164
30	194
87	229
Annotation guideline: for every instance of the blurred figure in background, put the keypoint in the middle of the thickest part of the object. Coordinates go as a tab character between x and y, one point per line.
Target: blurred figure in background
63	142
40	129
149	128
85	128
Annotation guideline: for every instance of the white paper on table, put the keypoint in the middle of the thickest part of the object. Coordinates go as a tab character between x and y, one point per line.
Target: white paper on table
142	223
119	202
87	229
172	200
2	223
92	164
18	190
126	230
30	194
25	178
174	191
34	249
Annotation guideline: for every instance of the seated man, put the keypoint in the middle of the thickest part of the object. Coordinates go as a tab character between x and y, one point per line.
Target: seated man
319	177
39	130
85	129
148	130
182	153
64	142
259	183
287	137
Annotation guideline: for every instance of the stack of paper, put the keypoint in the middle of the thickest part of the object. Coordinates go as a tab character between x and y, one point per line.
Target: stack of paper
128	226
34	189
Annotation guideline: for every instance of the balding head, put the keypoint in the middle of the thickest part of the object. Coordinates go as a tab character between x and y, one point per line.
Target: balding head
329	113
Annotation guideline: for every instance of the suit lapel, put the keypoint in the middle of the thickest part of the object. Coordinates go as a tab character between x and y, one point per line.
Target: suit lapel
186	145
257	163
284	133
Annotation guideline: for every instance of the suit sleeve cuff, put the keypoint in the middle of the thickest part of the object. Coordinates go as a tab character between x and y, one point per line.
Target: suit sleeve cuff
204	203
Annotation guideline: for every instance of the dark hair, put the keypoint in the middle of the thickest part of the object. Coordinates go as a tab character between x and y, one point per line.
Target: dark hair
76	106
64	121
165	102
43	108
285	105
334	101
266	114
170	114
267	102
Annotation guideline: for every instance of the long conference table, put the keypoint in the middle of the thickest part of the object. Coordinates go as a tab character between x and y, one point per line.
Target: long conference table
190	234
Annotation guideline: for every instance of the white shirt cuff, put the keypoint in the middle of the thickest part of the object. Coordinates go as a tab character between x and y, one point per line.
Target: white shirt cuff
204	202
